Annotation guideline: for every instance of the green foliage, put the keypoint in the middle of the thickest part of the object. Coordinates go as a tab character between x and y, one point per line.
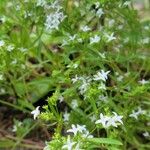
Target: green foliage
85	64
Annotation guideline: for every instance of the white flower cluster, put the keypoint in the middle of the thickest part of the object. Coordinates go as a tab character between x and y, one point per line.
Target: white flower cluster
76	130
108	121
55	17
86	81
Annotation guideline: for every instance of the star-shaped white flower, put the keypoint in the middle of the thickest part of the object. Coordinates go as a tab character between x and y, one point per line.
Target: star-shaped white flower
99	12
93	118
127	3
75	79
146	134
2	43
81	128
66	116
61	99
102	86
134	114
108	121
102	75
94	39
85	28
41	3
36	112
72	37
69	144
74	103
10	48
110	37
103	120
1	77
74	129
143	82
114	120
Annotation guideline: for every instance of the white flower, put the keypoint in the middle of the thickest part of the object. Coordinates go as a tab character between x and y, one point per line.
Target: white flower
66	116
3	19
97	4
77	128
74	103
110	37
10	48
54	19
81	128
113	121
41	3
146	40
127	3
69	144
2	43
85	28
47	147
93	118
143	81
102	55
23	49
14	61
135	114
1	77
146	134
102	86
83	87
15	127
61	99
120	78
146	27
72	37
111	22
103	120
103	98
75	66
102	75
99	12
52	22
120	27
80	40
75	79
87	135
94	39
36	112
74	129
108	121
2	91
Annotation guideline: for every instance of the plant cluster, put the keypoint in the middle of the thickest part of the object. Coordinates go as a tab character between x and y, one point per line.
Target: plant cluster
81	68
